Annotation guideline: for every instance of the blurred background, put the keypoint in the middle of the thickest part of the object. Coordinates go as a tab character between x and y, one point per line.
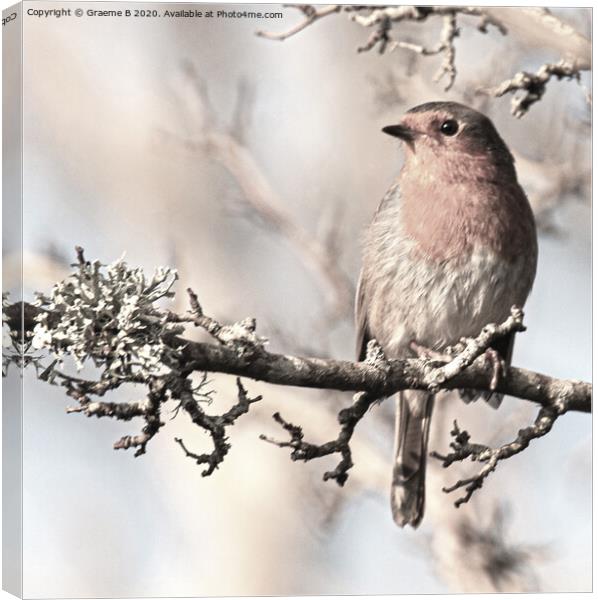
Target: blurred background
252	166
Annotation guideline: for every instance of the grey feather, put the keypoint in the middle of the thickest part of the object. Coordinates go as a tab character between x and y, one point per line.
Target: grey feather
408	490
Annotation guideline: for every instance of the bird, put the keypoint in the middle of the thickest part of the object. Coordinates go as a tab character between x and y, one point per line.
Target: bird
451	248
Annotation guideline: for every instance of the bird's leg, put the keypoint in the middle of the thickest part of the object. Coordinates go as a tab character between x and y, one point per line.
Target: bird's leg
499	366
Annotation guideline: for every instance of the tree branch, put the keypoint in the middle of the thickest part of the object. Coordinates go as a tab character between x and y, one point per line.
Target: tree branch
536	26
383	19
311	14
403	374
108	315
533	85
348	419
463	449
226	146
215	426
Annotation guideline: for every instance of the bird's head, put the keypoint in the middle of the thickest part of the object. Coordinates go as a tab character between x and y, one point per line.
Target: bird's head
452	131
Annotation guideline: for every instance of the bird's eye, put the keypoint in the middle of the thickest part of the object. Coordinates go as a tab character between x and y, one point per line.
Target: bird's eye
449	127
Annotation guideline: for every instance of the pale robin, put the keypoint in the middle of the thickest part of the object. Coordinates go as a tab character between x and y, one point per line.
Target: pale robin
452	247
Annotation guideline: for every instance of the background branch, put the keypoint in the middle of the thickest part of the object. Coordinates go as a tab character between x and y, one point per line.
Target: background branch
531	25
227	147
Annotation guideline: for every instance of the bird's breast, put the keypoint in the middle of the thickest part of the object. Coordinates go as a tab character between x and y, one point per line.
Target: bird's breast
440	262
451	219
437	302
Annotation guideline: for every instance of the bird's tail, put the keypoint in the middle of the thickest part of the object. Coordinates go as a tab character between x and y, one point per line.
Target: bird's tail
414	413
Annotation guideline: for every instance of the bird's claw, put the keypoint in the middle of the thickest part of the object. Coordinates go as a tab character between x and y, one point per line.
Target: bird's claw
499	367
425	352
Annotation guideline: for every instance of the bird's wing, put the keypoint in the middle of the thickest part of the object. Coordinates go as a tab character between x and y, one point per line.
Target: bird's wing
361	301
361	320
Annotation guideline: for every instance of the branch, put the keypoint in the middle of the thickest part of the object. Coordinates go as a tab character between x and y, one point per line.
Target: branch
537	26
469	349
226	147
385	18
348	419
215	426
533	85
379	377
402	374
311	14
463	449
108	315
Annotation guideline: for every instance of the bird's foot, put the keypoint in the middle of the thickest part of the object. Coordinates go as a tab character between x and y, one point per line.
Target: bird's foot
425	352
499	366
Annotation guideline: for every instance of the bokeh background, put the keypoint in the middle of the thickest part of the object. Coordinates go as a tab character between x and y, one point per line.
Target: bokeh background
155	137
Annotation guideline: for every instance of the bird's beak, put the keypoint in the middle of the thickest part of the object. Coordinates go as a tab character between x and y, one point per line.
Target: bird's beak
401	131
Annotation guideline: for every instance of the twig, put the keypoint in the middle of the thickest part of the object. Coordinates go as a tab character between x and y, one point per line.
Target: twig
215	426
260	199
533	85
450	31
380	35
537	25
348	419
471	348
123	411
463	449
383	19
240	336
311	14
151	415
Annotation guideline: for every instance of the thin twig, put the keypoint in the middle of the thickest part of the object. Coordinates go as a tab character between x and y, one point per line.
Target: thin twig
463	449
348	419
311	15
